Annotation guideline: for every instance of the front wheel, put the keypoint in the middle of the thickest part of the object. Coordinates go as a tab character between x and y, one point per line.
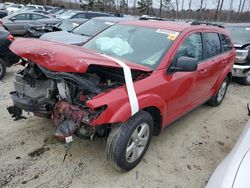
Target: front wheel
128	142
218	98
2	68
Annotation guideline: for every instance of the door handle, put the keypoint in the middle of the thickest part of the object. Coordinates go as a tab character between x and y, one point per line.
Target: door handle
202	71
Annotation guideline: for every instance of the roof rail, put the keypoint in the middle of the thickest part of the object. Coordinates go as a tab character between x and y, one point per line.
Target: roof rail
145	17
206	23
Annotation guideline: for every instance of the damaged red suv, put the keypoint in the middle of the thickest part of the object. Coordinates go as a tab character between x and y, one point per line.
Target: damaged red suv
128	82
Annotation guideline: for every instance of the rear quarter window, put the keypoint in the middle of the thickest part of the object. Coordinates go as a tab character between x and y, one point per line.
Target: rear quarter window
212	44
226	43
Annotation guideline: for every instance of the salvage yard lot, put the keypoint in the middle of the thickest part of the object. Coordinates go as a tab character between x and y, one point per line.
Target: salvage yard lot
184	155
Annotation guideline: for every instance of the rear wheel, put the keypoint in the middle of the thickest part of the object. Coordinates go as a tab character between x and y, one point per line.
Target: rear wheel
244	80
128	142
218	98
2	68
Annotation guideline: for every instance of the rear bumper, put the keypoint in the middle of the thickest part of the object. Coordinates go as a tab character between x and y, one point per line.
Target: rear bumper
240	70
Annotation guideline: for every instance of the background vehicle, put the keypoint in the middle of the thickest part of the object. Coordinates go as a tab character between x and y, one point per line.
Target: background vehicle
3	13
241	37
234	169
128	82
73	14
7	57
59	12
37	29
41	12
14	8
83	32
16	23
32	7
5	5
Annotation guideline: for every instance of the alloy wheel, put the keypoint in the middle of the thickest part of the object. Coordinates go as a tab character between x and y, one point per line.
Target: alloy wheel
137	142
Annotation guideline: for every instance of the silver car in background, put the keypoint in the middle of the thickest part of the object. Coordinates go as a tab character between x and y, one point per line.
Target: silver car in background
16	23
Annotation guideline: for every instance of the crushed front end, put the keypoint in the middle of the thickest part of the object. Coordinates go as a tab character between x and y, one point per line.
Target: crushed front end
60	96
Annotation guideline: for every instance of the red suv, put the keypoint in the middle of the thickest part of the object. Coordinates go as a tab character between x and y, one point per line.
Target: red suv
128	82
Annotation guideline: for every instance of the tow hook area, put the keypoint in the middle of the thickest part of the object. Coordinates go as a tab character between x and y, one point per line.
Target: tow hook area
67	118
15	113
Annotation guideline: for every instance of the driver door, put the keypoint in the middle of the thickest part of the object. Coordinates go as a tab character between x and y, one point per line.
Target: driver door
182	90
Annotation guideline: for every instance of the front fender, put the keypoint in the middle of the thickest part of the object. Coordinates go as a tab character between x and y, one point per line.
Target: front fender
123	113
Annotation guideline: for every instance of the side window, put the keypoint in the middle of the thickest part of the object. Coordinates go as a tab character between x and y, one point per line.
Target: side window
191	47
212	44
226	43
37	17
22	17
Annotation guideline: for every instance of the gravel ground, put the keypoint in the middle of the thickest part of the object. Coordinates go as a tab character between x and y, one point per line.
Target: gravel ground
184	155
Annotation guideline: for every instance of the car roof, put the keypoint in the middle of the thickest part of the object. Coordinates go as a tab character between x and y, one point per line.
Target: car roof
112	19
24	12
172	25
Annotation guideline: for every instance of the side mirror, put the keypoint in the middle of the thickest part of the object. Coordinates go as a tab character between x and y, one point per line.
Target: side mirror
13	19
184	64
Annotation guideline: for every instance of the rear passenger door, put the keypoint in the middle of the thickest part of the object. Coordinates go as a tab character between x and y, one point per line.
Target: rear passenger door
212	65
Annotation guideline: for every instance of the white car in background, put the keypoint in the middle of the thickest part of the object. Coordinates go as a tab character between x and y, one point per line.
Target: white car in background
14	8
234	170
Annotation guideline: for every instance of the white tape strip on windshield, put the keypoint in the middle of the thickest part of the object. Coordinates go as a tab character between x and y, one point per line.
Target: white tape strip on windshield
134	105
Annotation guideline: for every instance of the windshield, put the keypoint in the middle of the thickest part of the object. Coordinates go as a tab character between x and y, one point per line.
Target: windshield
145	46
67	15
67	25
14	6
92	27
240	34
60	12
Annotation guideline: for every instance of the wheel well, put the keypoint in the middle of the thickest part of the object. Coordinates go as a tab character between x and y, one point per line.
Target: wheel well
229	75
156	115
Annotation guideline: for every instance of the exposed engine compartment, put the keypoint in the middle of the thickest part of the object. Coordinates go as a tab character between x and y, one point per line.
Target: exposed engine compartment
62	96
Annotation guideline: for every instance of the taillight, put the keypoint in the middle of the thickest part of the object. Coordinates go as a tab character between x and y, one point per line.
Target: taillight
11	38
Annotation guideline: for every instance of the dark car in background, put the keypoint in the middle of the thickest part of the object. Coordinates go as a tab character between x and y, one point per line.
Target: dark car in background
16	23
7	57
83	32
241	36
70	14
3	13
37	29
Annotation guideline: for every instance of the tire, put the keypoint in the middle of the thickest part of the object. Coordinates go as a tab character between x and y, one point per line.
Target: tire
245	80
220	95
135	134
2	68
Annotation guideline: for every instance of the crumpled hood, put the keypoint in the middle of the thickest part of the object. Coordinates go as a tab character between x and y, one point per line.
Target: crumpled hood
62	57
65	37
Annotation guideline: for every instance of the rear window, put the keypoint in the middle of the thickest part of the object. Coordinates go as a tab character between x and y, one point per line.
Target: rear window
212	44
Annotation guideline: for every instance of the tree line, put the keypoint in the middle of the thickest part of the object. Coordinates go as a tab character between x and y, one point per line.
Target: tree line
173	9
